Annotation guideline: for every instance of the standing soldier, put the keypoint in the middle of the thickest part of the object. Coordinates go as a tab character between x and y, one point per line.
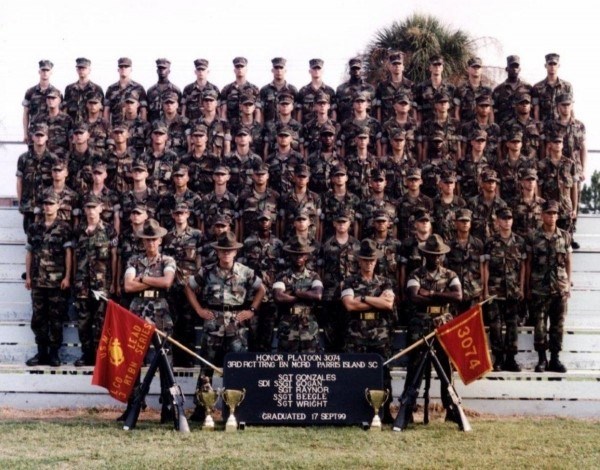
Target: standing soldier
200	162
323	159
469	168
111	202
59	124
76	93
523	121
358	123
248	120
483	121
34	102
387	90
191	100
184	244
140	193
219	201
402	120
527	210
485	205
445	205
336	200
410	201
159	159
129	245
425	91
282	161
156	93
232	94
360	163
48	272
98	128
269	94
345	93
473	87
377	200
119	161
218	130
115	93
511	167
241	161
549	286
177	125
503	94
545	93
397	162
299	197
69	201
296	291
80	159
311	130
178	194
504	277
308	93
95	262
138	129
255	199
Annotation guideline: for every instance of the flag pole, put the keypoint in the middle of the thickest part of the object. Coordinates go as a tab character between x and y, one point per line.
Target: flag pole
418	343
99	295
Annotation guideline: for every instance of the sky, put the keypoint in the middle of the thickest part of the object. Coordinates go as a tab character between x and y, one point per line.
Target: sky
333	30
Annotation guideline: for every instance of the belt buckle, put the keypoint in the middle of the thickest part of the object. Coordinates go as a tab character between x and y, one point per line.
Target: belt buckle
148	294
299	310
368	316
435	310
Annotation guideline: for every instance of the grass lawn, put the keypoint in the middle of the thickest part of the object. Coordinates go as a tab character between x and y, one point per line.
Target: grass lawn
91	439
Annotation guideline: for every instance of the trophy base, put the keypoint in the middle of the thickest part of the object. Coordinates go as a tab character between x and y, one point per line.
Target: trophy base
209	424
231	425
376	424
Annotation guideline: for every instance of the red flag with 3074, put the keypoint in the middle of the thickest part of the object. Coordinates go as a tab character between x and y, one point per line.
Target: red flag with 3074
123	345
464	340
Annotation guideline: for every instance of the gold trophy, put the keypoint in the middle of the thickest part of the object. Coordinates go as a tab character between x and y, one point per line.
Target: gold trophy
376	398
208	398
232	399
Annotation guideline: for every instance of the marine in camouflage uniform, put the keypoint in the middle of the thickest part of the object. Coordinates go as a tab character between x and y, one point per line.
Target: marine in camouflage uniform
493	133
336	200
323	160
472	88
337	261
247	120
140	193
377	200
345	93
283	120
549	285
397	163
48	272
34	101
191	98
119	161
180	194
282	162
527	208
484	206
262	252
503	94
424	92
76	93
470	168
177	125
80	160
218	130
387	90
505	258
307	95
512	166
359	123
402	123
156	93
98	128
410	201
95	254
184	244
139	130
111	201
224	202
269	94
114	93
60	125
437	162
441	125
69	204
524	121
255	199
129	245
431	285
546	92
240	162
300	198
445	205
359	165
159	160
296	290
233	93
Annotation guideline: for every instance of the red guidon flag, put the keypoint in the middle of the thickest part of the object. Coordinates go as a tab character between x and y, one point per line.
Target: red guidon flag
465	342
123	346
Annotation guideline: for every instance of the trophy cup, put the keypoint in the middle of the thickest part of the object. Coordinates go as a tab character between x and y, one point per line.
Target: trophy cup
208	399
376	398
232	399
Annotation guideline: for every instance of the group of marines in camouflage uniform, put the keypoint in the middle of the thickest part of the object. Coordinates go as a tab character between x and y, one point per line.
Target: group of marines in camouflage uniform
145	200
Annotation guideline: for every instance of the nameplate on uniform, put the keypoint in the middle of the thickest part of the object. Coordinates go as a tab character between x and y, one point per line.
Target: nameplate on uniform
304	389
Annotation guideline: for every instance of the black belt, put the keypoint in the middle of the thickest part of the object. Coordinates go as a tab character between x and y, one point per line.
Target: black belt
151	294
226	308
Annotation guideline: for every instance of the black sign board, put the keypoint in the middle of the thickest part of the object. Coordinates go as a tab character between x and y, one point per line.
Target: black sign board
303	388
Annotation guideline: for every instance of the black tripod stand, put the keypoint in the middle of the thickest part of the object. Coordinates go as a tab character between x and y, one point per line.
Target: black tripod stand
411	391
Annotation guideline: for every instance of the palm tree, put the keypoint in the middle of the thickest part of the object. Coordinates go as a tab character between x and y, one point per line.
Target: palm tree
420	37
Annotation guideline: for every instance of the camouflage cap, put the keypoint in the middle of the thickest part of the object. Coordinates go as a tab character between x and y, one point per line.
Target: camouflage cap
322	97
504	213
316	63
328	129
94	96
124	62
564	98
243	130
53	93
120	126
180	169
82	62
45	64
448	177
201	64
401	97
550	206
362	96
398	134
528	174
131	95
240	61
463	214
278	62
301	213
339	169
170	96
413	173
99	164
355	62
434	245
285	130
483	98
247	98
51	196
377	175
80	126
478	134
59	164
91	200
421	214
555	135
440	136
362	132
514	134
474	62
513	59
522	98
381	214
222	219
181	207
199	129
260	169
368	250
302	169
159	127
285	97
210	94
221	170
396	57
39	128
489	175
441	96
139	208
552	57
163	63
264	214
344	214
139	164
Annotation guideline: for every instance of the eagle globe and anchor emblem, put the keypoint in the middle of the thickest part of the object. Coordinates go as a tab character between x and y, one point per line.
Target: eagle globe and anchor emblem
115	352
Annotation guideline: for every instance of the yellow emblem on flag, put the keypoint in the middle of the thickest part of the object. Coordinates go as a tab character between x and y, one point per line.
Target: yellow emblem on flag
116	353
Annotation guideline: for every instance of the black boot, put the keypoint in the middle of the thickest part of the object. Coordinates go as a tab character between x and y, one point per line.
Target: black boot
199	414
555	365
53	358
498	361
40	359
510	364
542	362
